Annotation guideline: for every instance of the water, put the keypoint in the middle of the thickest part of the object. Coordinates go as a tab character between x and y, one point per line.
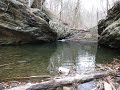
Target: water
45	59
73	54
23	61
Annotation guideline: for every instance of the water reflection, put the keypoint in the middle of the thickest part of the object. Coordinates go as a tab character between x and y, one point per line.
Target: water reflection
31	60
70	54
23	61
87	86
82	57
106	55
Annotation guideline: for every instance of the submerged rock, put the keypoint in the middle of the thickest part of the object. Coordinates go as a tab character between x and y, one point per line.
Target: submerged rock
109	28
20	24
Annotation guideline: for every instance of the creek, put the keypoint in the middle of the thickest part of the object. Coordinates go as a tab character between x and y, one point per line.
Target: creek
45	59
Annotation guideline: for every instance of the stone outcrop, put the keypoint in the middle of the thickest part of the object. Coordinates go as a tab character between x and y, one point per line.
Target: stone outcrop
20	24
85	36
109	28
63	31
71	34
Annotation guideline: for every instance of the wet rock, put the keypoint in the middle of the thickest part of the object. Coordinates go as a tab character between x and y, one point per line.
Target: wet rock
20	24
109	28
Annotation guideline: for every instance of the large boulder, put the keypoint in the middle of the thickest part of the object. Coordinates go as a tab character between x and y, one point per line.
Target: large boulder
62	29
109	28
20	24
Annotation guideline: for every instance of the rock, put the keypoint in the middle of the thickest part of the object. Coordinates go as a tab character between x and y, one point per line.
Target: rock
63	31
64	71
109	28
1	87
20	24
85	36
111	35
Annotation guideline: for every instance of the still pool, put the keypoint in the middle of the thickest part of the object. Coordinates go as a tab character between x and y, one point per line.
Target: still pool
45	59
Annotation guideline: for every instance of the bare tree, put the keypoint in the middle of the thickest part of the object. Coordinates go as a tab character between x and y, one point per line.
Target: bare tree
76	13
61	10
97	15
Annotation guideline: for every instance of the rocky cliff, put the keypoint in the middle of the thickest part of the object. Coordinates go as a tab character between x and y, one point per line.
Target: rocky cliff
109	28
20	24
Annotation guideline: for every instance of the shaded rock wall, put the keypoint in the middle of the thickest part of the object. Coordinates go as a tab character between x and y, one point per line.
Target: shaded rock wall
20	24
109	28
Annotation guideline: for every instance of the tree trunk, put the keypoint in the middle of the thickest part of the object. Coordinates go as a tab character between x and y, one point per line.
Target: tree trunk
60	18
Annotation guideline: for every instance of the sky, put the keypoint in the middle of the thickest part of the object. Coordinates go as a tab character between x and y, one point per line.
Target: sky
89	4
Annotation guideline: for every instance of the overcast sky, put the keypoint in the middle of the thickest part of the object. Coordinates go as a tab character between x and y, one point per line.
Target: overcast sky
94	4
90	7
89	4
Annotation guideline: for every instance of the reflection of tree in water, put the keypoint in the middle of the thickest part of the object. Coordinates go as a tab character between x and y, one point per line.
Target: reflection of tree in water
65	56
27	60
73	54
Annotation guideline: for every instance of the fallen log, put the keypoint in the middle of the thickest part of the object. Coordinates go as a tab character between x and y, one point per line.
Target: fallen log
69	80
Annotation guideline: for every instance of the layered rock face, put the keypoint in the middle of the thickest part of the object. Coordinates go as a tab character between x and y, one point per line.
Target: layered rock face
109	28
20	24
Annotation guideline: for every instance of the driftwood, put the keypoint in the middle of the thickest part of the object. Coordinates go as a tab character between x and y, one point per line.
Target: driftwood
69	80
